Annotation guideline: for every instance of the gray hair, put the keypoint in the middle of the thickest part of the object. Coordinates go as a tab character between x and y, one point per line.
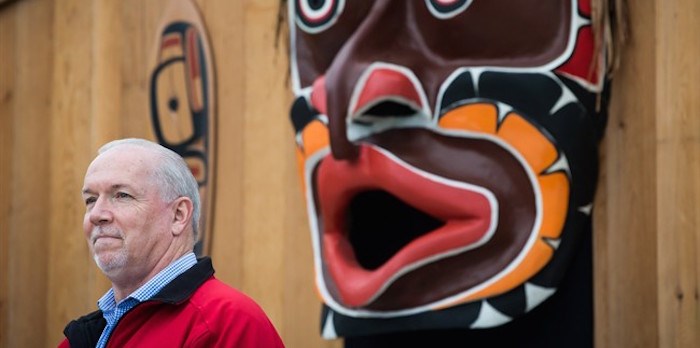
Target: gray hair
173	177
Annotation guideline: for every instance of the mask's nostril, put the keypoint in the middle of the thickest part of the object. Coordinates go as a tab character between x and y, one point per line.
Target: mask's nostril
387	90
384	115
390	109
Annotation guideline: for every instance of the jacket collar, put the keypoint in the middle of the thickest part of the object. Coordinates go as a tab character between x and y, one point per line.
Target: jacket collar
86	330
182	287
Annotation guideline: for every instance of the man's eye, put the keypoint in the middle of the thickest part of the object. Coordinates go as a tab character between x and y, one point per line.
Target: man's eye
90	200
122	195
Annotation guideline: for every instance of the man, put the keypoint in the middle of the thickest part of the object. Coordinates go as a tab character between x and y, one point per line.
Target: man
141	217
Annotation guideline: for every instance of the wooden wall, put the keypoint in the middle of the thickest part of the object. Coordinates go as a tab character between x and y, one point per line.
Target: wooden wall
74	74
26	67
647	221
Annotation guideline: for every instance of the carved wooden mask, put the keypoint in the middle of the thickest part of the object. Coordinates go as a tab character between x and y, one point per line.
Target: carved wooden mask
448	152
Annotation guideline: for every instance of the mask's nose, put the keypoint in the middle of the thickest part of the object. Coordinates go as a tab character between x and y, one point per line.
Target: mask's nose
357	91
386	90
386	96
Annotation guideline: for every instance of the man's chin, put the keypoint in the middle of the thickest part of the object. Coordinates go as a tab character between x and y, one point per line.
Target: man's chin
110	263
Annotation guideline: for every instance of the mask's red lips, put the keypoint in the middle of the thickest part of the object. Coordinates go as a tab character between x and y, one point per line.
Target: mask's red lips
469	212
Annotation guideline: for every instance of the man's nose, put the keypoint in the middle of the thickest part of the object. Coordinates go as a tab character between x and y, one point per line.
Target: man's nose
101	212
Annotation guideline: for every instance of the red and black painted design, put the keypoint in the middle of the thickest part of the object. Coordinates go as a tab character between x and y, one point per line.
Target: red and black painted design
182	102
448	152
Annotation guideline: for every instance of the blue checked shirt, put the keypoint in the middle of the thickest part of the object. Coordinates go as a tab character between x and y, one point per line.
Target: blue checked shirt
113	311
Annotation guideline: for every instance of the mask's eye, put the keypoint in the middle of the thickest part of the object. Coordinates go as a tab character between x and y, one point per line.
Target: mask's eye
315	16
445	9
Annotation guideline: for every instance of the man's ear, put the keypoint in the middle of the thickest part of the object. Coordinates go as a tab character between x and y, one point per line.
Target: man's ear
183	209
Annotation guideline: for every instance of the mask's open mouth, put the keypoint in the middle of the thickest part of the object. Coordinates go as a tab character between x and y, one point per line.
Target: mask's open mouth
379	225
382	218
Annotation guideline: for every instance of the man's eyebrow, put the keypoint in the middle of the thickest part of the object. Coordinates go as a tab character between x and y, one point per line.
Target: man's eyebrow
112	188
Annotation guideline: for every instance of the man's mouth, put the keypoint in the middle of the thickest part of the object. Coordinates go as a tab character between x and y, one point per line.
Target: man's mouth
101	235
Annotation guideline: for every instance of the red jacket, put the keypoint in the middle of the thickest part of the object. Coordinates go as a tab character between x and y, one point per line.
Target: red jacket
194	310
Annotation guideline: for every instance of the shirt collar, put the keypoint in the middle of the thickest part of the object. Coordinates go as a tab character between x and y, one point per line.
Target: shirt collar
153	285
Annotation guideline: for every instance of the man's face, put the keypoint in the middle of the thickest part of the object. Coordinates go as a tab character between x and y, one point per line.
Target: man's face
448	149
126	221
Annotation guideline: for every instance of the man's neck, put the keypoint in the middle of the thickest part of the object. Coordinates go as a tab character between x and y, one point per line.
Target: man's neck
125	287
